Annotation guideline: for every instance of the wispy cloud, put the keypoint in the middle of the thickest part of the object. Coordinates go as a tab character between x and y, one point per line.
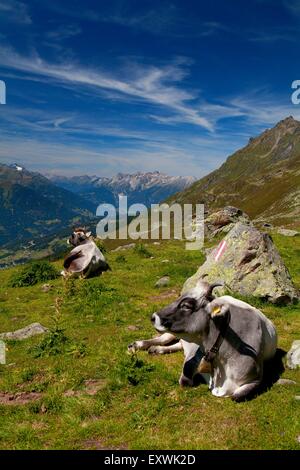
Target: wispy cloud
64	32
154	84
14	11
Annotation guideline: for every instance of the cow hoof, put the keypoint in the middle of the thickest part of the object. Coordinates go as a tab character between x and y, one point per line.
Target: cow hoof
134	347
131	348
185	381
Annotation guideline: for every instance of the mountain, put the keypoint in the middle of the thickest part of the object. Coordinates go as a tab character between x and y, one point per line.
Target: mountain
144	188
263	178
32	207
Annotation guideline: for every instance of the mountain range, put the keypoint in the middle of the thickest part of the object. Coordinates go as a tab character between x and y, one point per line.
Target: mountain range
263	178
35	210
143	188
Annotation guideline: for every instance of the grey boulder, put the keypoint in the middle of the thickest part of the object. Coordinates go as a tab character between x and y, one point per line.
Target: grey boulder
249	264
163	281
24	333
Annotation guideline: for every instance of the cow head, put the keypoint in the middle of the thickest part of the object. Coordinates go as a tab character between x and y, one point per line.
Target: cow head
188	315
79	236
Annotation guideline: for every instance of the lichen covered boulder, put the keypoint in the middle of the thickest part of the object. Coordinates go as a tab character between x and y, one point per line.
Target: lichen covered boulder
249	264
224	220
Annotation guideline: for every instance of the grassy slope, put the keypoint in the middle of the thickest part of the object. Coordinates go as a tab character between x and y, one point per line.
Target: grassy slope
156	413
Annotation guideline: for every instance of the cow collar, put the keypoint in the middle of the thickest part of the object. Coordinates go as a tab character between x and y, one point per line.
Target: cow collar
210	354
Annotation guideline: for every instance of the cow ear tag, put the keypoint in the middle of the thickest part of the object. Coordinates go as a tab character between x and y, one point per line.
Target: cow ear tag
204	367
215	311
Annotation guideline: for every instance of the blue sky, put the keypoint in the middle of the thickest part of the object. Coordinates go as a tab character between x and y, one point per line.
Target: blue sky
100	87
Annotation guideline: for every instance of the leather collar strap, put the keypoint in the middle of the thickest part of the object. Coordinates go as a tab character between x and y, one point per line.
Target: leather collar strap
212	352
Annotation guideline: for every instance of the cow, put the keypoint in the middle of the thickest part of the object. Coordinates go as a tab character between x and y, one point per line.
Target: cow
225	339
85	259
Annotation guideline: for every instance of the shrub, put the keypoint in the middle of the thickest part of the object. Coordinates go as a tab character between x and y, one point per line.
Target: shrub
33	273
56	342
134	370
121	259
53	343
141	250
100	244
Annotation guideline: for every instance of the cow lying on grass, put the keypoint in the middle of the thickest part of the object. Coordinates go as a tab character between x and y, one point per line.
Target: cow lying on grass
228	339
85	260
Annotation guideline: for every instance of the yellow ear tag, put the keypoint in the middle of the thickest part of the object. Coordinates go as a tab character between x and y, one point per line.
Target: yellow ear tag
216	311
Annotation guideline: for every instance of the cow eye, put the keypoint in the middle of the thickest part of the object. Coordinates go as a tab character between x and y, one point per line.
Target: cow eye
187	306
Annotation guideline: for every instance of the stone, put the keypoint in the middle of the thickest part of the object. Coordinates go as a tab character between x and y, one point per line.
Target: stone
31	330
286	382
46	287
288	233
165	261
123	247
163	281
249	264
132	328
293	356
224	220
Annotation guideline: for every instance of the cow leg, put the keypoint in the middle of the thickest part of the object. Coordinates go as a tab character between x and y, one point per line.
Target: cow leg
193	355
165	349
143	345
245	391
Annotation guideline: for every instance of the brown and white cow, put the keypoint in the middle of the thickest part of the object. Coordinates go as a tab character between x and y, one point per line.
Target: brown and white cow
85	260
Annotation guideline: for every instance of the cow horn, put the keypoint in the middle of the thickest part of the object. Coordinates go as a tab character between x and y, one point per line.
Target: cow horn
213	286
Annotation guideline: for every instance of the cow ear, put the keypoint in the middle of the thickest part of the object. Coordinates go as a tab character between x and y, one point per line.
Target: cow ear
88	234
217	309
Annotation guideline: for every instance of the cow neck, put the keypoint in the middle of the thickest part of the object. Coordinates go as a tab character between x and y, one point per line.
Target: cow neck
221	324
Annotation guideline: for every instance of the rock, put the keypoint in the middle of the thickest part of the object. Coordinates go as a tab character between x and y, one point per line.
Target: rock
267	225
286	382
298	439
287	232
156	243
123	247
163	281
293	356
132	328
165	261
224	220
24	333
297	397
249	264
46	287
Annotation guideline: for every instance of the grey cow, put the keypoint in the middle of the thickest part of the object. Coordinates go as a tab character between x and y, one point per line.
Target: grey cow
85	260
233	337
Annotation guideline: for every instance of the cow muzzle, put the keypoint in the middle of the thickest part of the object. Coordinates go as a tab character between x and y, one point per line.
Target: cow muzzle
155	319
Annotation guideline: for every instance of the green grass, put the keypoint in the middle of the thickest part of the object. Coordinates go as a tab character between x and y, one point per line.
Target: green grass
139	404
